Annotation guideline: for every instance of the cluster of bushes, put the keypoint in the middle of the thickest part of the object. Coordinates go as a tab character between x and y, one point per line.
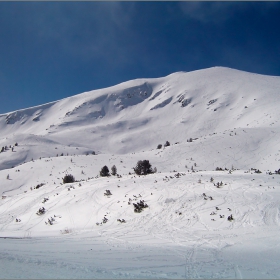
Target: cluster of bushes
218	185
139	206
50	221
5	148
104	172
104	221
167	143
39	186
143	167
256	170
220	169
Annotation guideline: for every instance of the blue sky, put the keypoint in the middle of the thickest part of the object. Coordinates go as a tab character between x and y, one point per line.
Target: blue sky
52	50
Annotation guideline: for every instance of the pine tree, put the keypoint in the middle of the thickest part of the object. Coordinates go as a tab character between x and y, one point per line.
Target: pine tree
114	170
143	167
104	171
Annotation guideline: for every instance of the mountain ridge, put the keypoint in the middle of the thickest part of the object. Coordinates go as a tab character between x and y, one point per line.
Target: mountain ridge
177	107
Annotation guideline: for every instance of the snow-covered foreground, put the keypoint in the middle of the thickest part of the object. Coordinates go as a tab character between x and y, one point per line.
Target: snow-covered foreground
197	222
184	233
209	256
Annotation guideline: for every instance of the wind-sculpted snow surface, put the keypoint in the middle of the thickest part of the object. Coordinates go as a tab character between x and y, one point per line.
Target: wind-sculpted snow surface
22	116
162	104
209	209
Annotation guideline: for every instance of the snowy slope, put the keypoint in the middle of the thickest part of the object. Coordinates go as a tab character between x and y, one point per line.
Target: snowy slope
174	108
231	117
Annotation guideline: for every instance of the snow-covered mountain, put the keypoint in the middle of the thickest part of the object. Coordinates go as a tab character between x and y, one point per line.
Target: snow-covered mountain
139	114
216	117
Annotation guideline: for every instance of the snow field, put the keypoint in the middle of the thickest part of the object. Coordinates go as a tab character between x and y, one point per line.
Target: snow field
215	117
159	242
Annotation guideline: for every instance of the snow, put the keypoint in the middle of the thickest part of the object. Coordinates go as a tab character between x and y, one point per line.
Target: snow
231	118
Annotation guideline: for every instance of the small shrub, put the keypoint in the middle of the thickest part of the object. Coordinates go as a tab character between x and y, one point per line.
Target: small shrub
230	218
68	178
41	211
66	231
39	186
107	193
167	143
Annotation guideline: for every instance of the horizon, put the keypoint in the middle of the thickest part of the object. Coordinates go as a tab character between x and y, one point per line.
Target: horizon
54	50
